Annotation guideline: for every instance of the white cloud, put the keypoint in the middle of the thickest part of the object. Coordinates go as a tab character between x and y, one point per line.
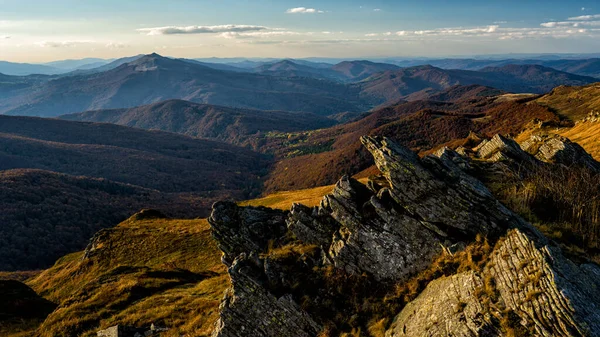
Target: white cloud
63	44
245	35
4	37
377	10
172	30
585	17
371	34
303	10
115	45
574	24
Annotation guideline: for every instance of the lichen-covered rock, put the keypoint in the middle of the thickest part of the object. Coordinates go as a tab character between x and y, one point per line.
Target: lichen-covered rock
248	230
439	193
250	310
376	236
544	293
449	306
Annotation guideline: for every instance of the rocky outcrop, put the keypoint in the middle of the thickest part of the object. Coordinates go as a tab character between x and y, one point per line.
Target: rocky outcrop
246	230
449	306
390	230
528	287
501	148
249	309
560	150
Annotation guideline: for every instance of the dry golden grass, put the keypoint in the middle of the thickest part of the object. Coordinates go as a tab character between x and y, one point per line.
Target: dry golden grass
284	200
587	135
159	271
574	103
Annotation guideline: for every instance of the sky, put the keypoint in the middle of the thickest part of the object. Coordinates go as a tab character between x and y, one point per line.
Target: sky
37	31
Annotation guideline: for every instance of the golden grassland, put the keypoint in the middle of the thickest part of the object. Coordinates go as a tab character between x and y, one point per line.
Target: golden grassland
283	200
587	134
159	271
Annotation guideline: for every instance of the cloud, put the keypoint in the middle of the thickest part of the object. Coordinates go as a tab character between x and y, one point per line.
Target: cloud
303	10
174	30
377	10
4	37
115	45
585	17
63	44
371	34
574	24
236	35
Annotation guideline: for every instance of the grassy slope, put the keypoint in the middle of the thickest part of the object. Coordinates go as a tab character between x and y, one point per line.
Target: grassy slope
284	200
574	103
587	134
159	271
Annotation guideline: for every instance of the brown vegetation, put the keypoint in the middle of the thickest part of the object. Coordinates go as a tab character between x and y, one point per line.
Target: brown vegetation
564	202
319	157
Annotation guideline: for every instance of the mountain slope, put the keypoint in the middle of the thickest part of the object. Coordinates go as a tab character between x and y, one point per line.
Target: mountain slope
147	270
24	69
392	86
152	159
61	181
574	103
46	215
584	67
205	121
153	78
289	68
360	70
319	157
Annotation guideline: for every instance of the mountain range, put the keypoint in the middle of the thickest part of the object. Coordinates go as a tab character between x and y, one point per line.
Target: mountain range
153	78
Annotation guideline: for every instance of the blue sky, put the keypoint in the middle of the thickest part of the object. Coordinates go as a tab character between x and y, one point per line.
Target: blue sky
42	30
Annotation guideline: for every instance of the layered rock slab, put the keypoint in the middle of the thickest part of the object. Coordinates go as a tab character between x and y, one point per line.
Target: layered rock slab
527	281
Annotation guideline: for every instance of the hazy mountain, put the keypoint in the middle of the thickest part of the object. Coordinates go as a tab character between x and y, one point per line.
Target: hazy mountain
23	69
77	64
289	68
401	84
232	125
583	67
360	70
153	78
103	66
347	71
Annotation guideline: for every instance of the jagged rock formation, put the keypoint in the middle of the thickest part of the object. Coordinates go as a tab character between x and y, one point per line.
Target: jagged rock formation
558	149
501	148
391	229
528	286
250	310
